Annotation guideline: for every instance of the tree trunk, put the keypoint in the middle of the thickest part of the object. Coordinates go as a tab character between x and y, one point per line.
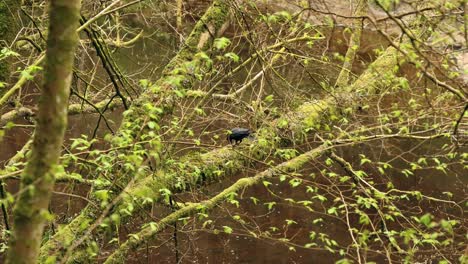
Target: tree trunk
8	9
30	212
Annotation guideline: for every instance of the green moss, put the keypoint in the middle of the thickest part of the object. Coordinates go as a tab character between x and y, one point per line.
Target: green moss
312	112
65	236
368	82
8	9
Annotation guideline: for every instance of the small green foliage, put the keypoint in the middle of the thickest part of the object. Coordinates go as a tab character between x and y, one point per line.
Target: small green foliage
134	236
295	182
283	15
92	249
144	83
332	211
103	196
51	260
5	52
227	229
266	183
221	43
82	143
426	219
30	71
254	200
270	205
232	56
345	261
364	160
268	99
9	125
166	194
286	154
283	123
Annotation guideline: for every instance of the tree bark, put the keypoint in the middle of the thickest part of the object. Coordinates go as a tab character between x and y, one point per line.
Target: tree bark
8	9
30	212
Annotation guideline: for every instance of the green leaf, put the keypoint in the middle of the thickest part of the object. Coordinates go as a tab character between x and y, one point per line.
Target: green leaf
227	229
295	182
426	219
284	14
267	183
318	220
9	125
364	219
269	98
6	52
51	260
144	83
179	93
332	211
254	200
282	123
102	195
364	160
234	57
270	205
152	124
134	236
309	245
221	43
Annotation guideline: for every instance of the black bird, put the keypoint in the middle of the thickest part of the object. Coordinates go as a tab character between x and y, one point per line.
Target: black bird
238	134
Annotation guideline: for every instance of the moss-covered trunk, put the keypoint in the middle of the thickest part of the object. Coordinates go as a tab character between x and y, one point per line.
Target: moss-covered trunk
30	212
8	10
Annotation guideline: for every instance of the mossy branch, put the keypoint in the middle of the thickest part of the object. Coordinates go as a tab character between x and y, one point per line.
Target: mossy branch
150	230
161	93
354	44
200	169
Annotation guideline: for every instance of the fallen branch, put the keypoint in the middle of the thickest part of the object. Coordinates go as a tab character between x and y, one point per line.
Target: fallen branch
151	229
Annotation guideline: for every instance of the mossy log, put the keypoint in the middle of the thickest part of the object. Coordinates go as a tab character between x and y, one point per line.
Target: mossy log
354	43
217	164
157	101
73	109
202	168
148	231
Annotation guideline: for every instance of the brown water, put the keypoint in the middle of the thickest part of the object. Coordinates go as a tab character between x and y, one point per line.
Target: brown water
196	244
